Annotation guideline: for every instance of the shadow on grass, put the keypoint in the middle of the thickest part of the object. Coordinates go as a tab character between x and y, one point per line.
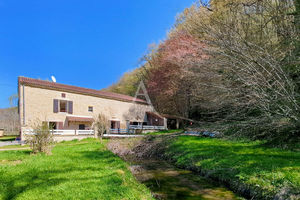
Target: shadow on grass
8	138
41	172
14	155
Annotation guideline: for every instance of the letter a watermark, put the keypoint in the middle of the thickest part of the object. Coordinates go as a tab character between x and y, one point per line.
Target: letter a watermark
142	92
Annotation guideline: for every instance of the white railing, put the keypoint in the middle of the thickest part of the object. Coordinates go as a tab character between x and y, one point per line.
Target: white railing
62	132
147	127
85	132
28	132
121	131
131	129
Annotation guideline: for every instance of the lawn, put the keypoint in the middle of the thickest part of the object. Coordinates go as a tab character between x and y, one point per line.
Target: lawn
165	132
75	170
269	170
17	146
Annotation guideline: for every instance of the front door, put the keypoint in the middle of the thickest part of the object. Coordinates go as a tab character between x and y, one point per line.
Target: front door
81	126
115	124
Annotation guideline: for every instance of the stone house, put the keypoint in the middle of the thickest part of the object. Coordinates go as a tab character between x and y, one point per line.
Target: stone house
71	110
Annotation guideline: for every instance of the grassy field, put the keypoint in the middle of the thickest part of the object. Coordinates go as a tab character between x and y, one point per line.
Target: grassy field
17	146
270	170
165	132
75	170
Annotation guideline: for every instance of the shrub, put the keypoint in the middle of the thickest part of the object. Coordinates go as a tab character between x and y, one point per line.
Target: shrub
42	139
101	126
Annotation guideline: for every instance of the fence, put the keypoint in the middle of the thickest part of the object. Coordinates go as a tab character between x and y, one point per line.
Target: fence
147	127
62	132
132	130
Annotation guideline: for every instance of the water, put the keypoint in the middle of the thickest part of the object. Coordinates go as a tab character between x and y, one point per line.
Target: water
168	182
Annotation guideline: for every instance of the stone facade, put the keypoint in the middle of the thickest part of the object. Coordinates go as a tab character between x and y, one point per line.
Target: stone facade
36	106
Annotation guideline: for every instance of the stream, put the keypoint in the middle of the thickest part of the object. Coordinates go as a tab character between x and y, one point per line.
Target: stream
164	179
168	182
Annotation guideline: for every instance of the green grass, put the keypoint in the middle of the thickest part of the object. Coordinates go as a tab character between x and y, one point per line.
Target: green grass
17	146
165	132
268	169
76	170
7	138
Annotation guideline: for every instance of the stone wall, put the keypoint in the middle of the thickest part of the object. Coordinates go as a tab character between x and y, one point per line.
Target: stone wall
39	107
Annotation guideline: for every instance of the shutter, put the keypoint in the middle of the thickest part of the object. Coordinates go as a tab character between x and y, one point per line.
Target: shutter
55	105
70	107
60	125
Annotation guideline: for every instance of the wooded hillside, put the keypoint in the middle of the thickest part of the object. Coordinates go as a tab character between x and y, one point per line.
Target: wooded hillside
231	62
9	120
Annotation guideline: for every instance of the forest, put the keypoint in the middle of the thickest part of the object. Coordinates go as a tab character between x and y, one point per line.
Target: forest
232	65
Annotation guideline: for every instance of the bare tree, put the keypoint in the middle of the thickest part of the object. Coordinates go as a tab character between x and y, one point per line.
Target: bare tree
100	126
9	118
243	40
13	100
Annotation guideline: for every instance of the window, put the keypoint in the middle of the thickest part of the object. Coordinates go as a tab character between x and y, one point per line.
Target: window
63	95
134	123
91	109
81	126
138	123
62	106
52	125
114	124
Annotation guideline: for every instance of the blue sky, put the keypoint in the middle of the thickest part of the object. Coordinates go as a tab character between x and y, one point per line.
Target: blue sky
87	43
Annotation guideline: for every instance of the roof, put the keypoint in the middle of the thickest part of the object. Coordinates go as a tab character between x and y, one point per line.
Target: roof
75	89
155	114
80	119
177	117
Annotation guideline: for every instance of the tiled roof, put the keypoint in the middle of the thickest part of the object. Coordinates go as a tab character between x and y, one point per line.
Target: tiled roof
75	89
80	119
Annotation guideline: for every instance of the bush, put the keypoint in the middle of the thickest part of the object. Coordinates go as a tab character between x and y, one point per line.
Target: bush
42	139
101	126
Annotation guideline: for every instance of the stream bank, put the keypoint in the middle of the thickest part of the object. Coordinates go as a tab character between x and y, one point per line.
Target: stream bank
165	180
249	168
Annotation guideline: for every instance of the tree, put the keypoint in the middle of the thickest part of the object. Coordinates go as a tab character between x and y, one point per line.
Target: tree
128	83
172	81
13	100
292	60
231	60
246	41
9	118
101	126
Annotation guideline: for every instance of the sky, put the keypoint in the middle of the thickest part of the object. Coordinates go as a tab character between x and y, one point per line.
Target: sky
87	43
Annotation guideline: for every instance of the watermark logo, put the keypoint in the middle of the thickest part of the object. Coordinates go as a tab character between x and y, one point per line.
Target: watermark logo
142	92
